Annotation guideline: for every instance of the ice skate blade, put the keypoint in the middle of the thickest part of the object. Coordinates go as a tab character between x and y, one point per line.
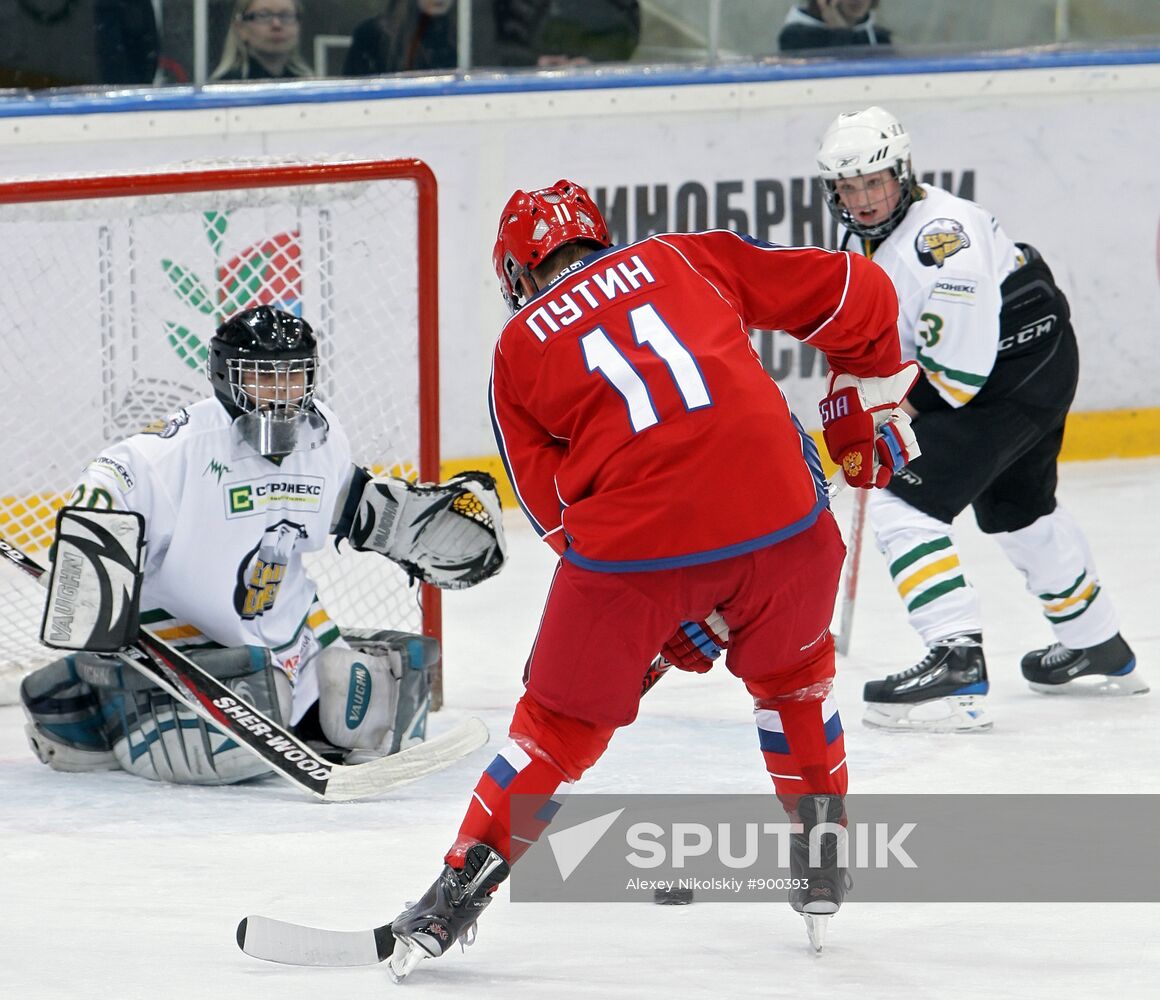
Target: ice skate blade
1096	686
816	924
405	956
964	713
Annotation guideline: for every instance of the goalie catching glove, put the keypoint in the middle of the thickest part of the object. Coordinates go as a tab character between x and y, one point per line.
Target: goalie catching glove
866	432
449	535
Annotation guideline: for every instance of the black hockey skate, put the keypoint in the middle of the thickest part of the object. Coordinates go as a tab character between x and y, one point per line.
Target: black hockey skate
942	693
827	884
1107	668
447	912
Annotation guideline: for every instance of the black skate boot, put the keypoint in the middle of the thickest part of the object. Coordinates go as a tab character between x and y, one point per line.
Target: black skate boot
942	693
447	912
825	886
1107	668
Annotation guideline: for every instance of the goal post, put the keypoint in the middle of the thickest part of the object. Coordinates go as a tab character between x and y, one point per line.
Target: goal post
111	286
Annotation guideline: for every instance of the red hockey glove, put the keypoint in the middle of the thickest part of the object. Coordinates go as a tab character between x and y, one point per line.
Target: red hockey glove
865	431
697	644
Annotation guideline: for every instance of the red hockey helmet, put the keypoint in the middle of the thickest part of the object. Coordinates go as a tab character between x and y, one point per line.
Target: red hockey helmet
535	223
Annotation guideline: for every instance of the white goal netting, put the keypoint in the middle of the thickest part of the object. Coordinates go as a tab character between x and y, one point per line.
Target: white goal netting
111	287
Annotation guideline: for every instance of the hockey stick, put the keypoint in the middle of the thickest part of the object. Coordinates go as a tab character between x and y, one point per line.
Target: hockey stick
211	700
298	944
850	574
288	943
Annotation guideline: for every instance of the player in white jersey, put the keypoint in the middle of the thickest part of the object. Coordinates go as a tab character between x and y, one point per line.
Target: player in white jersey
991	330
233	491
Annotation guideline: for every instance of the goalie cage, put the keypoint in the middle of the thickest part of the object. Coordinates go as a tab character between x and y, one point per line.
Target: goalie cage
112	286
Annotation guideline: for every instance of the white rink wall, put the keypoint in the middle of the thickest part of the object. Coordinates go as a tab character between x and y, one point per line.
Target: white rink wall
1064	155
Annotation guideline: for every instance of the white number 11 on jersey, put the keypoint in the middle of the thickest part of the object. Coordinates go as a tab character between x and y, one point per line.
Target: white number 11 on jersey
648	329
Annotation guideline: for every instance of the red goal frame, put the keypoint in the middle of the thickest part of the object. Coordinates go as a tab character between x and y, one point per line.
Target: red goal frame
210	177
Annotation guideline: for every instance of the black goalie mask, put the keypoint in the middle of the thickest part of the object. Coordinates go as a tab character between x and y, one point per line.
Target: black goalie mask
263	365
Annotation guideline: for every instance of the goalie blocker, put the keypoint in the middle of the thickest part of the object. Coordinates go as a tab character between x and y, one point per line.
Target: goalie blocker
94	589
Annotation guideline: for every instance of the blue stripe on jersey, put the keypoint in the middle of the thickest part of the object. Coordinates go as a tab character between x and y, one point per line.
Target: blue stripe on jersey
500	444
549	809
500	771
772	738
833	728
772	742
812	458
706	556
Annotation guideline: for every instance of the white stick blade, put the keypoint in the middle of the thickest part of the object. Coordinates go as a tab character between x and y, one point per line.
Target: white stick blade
292	944
417	762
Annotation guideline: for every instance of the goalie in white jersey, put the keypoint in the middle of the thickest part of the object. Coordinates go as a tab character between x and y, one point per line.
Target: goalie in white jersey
233	490
985	319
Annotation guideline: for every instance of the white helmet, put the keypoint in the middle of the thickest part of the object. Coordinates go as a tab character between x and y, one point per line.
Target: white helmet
865	142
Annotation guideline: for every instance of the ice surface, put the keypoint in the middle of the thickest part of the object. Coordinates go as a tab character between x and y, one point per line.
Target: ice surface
115	888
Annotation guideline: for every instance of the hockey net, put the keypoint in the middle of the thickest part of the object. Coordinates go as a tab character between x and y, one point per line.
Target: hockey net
112	287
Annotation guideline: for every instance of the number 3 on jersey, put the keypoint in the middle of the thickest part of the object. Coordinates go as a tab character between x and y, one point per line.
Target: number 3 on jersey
648	330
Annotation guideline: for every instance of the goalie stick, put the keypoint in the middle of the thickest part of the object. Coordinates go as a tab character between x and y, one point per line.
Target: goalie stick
204	694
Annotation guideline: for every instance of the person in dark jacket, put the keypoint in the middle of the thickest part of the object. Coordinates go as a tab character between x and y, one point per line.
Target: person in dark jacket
126	41
825	24
548	33
407	35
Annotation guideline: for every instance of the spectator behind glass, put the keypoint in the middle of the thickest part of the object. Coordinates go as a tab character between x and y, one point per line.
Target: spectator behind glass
824	24
407	35
565	32
263	42
125	33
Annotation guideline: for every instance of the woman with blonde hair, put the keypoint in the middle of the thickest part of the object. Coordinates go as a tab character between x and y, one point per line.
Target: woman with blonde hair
262	43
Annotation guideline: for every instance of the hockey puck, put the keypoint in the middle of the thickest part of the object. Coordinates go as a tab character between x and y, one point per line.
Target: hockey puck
673	896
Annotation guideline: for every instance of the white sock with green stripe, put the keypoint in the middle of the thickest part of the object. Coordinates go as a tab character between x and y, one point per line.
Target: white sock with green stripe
1056	562
925	567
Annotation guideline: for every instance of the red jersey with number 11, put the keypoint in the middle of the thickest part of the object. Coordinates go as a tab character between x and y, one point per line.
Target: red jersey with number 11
634	417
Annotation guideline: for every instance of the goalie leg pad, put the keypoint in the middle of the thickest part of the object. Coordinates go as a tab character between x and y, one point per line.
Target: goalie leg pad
156	737
374	697
66	729
421	655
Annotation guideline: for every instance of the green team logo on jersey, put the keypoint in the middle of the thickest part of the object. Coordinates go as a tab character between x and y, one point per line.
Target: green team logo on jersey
257	496
240	500
216	468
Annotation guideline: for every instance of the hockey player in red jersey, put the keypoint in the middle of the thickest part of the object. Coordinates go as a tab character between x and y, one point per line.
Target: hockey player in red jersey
650	449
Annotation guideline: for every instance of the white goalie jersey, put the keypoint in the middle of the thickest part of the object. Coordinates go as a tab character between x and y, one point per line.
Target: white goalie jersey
947	259
225	532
